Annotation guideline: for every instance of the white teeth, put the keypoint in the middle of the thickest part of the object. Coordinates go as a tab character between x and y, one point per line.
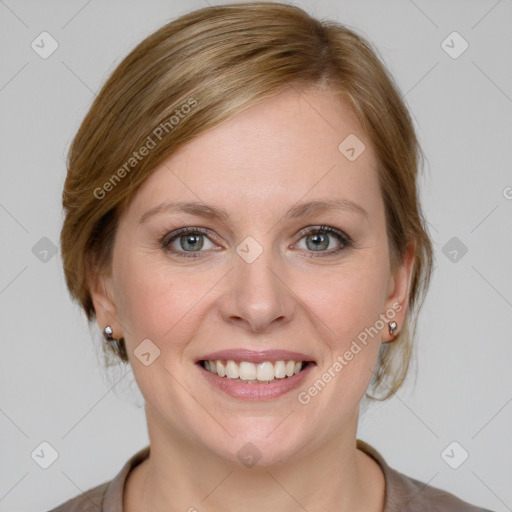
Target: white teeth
280	369
220	369
265	371
247	371
232	371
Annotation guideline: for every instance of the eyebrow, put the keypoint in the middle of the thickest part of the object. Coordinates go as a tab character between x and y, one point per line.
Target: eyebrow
296	211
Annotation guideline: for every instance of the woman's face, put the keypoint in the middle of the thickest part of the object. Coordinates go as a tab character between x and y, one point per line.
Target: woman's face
259	281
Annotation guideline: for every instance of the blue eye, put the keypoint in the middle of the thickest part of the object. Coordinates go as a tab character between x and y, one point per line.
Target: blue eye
318	239
190	242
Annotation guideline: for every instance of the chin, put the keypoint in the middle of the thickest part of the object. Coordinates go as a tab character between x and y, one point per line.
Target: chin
258	444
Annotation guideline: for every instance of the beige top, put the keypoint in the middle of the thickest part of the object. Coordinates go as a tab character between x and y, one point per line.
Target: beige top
403	494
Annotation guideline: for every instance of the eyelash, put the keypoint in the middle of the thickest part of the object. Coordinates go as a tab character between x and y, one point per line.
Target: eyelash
342	237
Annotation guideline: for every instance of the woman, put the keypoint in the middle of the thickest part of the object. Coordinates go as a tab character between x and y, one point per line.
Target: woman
242	222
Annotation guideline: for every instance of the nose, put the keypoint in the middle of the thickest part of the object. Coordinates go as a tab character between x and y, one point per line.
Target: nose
256	297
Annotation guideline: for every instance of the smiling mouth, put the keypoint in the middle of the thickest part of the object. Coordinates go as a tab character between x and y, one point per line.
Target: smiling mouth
255	373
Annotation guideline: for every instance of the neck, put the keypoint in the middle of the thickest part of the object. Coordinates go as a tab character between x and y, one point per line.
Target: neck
179	475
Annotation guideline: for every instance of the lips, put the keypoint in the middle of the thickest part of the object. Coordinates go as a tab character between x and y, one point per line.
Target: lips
254	389
247	367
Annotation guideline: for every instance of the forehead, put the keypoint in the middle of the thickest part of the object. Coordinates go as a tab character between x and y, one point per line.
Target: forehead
280	151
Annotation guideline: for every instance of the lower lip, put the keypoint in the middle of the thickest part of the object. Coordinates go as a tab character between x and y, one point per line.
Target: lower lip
253	391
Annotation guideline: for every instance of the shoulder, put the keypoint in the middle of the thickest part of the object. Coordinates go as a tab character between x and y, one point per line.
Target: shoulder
410	495
418	496
106	497
89	501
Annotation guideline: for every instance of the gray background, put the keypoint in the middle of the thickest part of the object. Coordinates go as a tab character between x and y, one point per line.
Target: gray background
52	387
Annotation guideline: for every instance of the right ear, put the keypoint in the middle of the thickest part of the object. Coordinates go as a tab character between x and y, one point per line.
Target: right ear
103	298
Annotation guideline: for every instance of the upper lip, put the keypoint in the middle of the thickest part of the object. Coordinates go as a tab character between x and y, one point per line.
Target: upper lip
255	356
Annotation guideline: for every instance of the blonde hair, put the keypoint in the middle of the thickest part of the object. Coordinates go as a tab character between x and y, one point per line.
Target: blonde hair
218	61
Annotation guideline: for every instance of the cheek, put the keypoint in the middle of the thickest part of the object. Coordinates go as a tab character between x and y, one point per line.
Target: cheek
347	300
159	301
346	313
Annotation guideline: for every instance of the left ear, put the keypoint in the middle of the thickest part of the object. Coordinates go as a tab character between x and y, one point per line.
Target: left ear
398	292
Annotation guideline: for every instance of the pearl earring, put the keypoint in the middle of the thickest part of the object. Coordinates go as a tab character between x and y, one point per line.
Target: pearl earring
116	344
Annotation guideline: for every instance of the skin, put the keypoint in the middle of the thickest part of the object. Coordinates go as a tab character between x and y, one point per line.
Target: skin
256	165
